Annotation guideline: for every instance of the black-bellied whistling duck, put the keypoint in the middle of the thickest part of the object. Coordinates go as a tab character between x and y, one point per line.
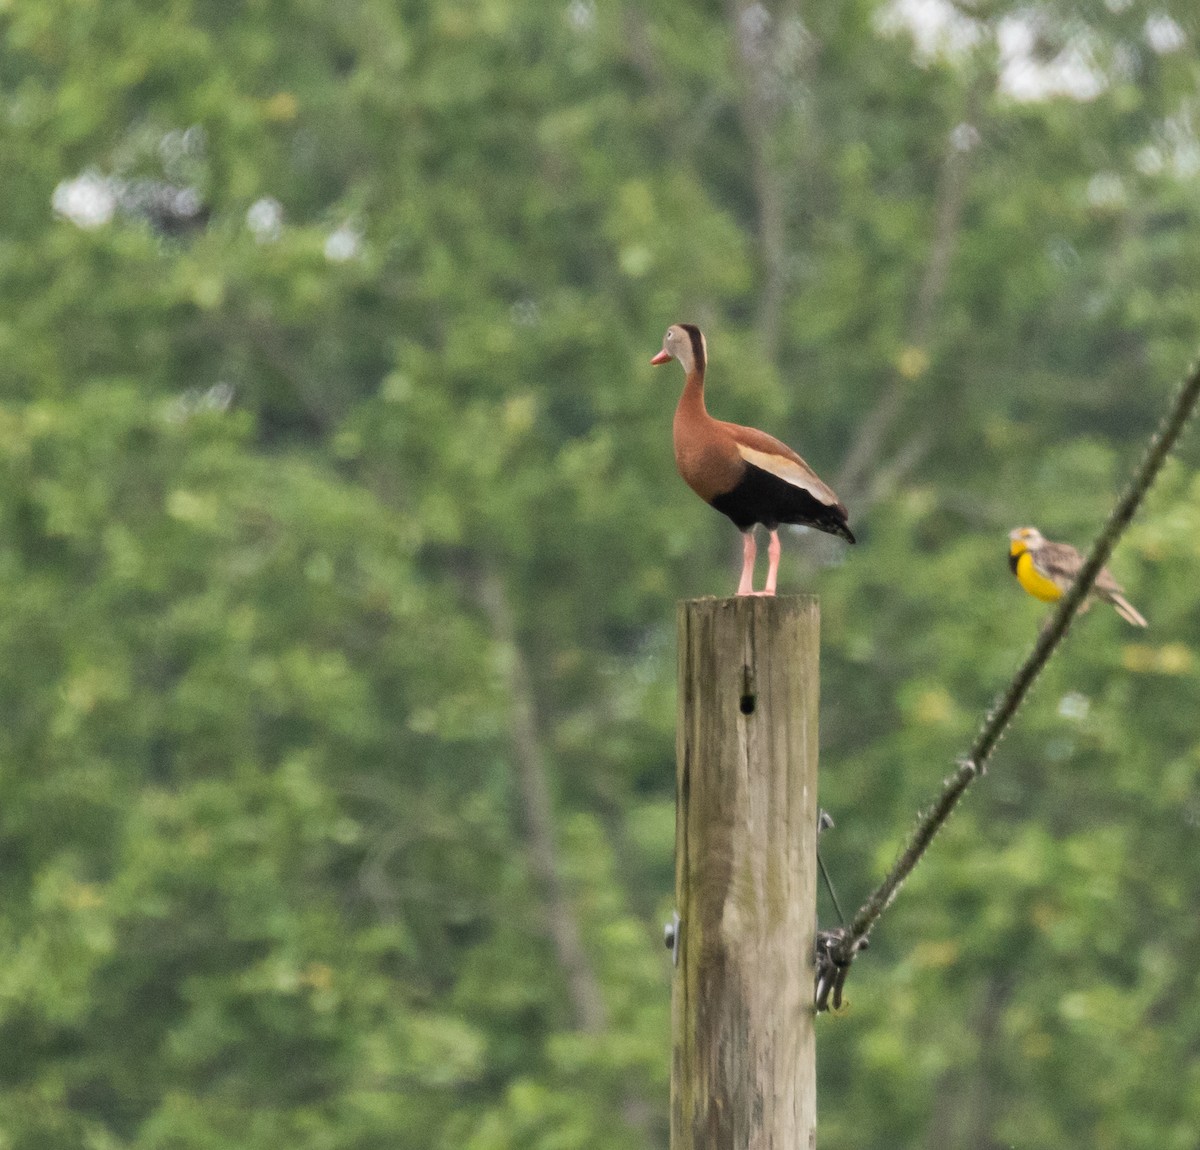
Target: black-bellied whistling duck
745	474
1046	570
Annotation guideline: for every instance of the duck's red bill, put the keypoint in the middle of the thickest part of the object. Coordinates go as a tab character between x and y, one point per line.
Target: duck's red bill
662	357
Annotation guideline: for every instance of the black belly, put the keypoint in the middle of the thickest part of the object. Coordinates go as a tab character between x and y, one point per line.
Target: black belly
764	498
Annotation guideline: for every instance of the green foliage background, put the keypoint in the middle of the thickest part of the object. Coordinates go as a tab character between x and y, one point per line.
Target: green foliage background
337	517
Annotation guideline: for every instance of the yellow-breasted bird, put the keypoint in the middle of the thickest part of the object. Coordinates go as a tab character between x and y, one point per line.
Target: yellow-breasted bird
1046	570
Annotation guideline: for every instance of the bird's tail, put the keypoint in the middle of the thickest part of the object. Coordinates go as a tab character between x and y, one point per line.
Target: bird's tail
835	523
1125	609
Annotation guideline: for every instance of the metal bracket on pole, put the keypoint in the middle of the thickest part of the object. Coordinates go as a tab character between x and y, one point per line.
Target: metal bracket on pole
671	937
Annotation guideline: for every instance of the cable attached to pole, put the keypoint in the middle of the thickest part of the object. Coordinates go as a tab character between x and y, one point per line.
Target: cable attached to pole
845	943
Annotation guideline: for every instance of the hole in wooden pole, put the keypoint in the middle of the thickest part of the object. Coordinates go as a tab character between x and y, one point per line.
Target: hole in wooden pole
749	696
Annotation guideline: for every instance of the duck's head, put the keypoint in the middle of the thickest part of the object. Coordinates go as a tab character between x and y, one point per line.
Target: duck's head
1024	539
684	342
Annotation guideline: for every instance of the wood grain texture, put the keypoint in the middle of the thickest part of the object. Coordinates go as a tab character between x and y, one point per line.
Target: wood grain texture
743	1067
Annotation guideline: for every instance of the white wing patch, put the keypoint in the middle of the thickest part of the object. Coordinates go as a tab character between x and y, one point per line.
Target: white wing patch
790	472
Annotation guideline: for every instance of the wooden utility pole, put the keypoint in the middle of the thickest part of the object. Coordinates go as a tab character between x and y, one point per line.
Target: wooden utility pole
743	1074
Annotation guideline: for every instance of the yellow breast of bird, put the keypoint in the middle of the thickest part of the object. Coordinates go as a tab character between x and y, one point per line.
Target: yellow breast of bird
1034	581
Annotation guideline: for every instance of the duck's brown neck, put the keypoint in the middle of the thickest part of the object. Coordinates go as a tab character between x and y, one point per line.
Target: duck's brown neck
691	402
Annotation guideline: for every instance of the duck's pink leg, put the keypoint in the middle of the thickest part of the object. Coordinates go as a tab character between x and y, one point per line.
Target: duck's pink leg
749	550
773	552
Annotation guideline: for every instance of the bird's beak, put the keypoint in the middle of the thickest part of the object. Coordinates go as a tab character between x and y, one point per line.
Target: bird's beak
662	356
